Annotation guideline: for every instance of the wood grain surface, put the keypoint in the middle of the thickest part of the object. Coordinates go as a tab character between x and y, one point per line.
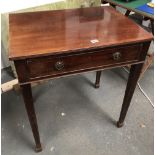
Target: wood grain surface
51	32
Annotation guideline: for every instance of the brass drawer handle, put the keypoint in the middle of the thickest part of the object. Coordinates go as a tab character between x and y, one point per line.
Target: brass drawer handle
59	65
117	56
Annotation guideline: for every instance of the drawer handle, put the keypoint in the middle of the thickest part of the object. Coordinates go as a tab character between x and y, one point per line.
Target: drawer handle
117	56
59	65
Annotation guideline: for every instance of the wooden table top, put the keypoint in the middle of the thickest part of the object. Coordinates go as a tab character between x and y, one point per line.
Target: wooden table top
51	32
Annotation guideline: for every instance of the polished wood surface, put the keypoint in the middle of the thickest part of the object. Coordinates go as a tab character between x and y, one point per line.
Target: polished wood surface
146	16
134	75
28	100
52	44
39	68
52	32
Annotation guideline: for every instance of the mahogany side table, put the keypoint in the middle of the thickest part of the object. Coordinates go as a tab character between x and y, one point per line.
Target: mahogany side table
51	44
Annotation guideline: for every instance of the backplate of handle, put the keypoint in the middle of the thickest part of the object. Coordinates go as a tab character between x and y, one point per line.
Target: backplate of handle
59	65
117	56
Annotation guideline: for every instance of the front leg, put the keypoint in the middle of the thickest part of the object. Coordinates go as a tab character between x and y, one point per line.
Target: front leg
131	85
28	100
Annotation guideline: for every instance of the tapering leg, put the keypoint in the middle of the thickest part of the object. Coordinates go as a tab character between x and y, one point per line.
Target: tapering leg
98	76
131	85
28	100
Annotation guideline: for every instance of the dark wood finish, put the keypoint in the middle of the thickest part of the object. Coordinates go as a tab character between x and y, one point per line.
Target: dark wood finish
52	44
145	17
132	81
135	71
149	58
28	100
71	31
98	76
82	61
28	70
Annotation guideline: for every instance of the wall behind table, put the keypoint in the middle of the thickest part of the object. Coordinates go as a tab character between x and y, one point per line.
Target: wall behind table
54	6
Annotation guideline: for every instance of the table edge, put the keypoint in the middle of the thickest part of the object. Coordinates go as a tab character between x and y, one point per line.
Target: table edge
14	58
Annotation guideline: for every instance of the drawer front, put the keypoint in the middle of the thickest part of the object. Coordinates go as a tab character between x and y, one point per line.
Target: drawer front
65	64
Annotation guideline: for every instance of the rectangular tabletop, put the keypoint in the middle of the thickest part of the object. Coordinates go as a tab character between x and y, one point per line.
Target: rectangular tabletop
45	33
132	5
